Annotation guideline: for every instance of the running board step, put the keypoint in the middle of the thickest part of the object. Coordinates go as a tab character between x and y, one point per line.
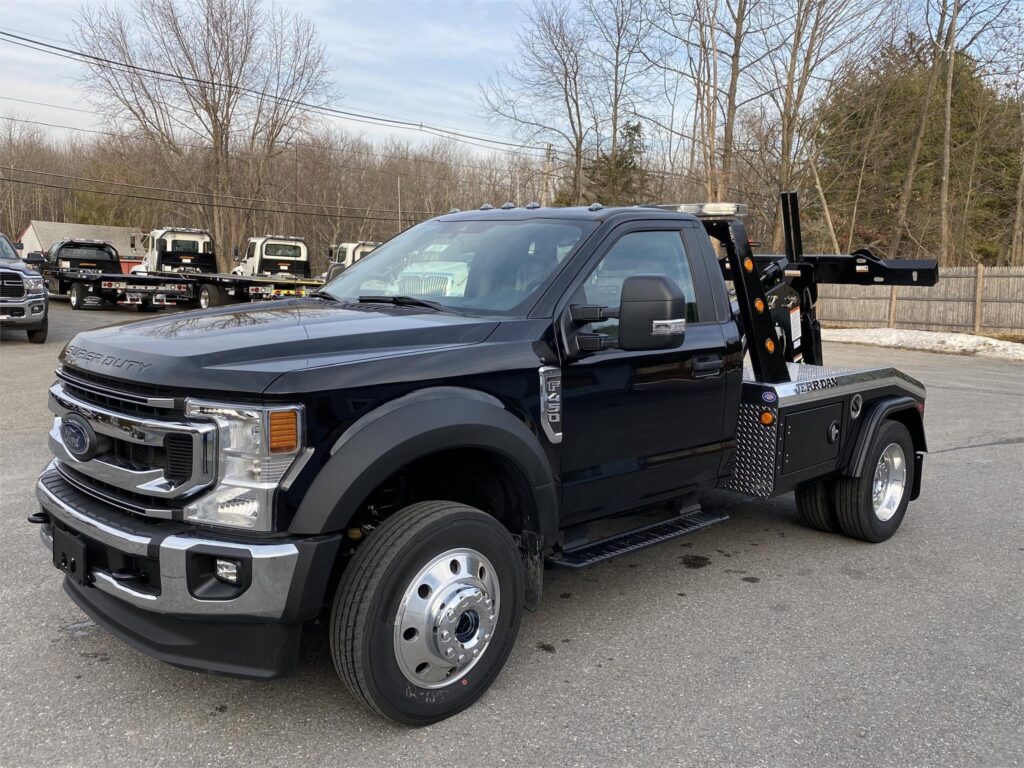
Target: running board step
631	541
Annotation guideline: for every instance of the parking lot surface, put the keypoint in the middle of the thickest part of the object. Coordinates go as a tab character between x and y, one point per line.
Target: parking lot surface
757	642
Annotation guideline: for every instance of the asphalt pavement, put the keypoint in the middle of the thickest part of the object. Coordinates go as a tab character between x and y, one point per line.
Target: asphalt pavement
756	642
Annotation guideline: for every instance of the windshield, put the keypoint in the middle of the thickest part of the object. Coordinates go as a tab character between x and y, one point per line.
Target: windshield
282	251
494	267
7	252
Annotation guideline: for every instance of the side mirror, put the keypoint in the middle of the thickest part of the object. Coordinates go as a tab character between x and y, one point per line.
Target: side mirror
652	313
333	271
234	254
18	246
131	242
34	259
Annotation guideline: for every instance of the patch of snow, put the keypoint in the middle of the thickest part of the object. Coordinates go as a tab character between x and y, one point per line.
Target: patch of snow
928	341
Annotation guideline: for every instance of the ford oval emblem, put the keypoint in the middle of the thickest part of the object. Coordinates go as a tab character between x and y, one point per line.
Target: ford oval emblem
768	397
78	437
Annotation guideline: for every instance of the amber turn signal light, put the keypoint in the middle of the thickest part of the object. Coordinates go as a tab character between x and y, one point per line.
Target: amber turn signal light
769	345
748	264
759	305
767	419
284	431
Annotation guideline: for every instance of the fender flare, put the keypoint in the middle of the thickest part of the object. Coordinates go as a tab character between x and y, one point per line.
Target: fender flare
903	409
408	428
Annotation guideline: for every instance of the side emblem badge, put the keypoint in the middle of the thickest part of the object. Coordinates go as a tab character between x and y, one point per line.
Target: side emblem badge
768	397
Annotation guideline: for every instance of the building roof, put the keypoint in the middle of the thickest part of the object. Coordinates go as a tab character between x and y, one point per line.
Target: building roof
49	232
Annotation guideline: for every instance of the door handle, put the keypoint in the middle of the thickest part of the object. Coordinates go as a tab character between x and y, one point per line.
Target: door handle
706	366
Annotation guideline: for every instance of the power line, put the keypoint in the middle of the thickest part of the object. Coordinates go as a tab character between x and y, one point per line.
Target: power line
390	219
363	152
459	136
210	194
203	147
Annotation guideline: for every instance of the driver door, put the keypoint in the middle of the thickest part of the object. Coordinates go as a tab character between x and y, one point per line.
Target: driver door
642	426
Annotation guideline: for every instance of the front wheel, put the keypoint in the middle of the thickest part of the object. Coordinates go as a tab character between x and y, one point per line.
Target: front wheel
427	612
38	334
871	507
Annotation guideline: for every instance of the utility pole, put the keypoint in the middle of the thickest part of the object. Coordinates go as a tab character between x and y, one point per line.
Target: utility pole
399	204
295	205
545	197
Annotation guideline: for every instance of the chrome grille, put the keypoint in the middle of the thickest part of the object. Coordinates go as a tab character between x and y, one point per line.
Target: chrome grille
425	285
118	395
145	465
11	286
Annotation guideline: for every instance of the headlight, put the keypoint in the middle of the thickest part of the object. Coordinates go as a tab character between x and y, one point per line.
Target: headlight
256	446
33	284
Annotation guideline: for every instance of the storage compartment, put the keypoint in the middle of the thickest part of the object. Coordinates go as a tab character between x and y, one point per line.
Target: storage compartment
811	437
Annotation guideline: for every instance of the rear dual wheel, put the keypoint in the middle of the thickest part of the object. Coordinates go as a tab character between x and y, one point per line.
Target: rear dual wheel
77	295
427	612
870	507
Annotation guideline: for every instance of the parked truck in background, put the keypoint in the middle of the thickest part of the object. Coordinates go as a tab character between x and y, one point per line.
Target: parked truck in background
89	274
406	463
23	300
191	252
274	255
343	256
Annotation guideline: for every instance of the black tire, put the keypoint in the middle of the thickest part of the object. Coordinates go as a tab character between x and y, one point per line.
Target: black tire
853	495
37	335
816	506
210	296
376	581
77	296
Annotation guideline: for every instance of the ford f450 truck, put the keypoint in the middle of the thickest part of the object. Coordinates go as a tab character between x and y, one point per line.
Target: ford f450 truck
410	462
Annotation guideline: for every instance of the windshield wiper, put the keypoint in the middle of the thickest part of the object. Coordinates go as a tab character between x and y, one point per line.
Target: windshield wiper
322	295
406	301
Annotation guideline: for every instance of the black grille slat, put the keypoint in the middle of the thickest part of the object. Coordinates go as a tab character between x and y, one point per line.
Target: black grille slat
177	457
116	394
12	287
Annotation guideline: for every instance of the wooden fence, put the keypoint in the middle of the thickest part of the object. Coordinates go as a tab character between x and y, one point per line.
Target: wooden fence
966	299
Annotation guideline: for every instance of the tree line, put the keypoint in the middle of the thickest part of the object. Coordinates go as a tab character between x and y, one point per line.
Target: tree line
901	125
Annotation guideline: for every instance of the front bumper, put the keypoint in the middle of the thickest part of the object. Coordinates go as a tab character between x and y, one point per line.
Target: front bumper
253	634
27	311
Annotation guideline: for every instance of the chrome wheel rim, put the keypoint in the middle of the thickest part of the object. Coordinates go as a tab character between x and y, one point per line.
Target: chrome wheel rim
889	482
446	618
204	300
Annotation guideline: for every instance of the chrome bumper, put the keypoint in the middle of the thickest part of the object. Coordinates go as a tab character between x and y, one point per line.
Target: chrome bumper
273	565
26	303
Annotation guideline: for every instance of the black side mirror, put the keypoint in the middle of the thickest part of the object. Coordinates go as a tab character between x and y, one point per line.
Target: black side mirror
333	271
131	242
18	246
652	313
34	259
234	254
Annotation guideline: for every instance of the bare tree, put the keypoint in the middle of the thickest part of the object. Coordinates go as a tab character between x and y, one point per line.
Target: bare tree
545	94
228	76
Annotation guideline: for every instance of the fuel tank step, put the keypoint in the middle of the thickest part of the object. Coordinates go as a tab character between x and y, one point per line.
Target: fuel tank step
630	541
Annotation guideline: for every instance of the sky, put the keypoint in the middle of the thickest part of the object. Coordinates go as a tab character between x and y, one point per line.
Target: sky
419	60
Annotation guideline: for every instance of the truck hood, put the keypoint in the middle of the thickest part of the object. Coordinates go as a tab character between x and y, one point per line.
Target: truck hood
245	348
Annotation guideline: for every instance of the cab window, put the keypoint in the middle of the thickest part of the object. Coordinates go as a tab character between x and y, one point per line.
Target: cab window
638	253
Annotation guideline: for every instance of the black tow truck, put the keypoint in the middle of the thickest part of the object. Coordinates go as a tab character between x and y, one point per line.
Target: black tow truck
409	463
89	274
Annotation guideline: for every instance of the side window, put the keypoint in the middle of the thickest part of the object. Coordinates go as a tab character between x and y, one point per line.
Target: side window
250	251
638	253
